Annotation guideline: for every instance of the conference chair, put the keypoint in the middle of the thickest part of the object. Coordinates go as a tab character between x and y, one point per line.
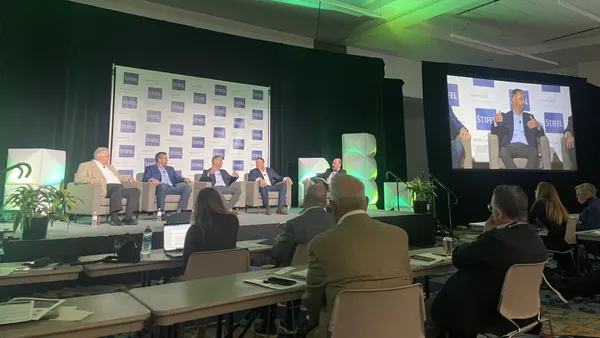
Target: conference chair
467	160
171	201
520	298
566	160
497	163
382	313
241	203
254	200
92	200
214	264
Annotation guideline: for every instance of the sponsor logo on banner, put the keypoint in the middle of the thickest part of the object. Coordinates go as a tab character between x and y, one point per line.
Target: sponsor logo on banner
239	102
131	78
550	100
197	165
257	135
198	142
484	117
176	153
153	116
128	126
257	114
178	84
177	107
149	161
219	152
453	94
219	132
126	150
129	102
153	140
128	173
483	83
257	94
553	123
256	154
526	93
200	98
238	165
221	90
550	89
220	111
176	129
199	120
238	144
239	123
155	93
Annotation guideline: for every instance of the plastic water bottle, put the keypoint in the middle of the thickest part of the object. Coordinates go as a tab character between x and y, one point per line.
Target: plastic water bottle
158	215
147	241
95	219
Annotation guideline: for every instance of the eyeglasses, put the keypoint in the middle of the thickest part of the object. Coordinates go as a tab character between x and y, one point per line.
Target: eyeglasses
489	207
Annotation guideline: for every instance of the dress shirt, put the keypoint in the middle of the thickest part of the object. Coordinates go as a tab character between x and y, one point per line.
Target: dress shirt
351	213
518	129
110	177
219	179
165	176
265	177
333	173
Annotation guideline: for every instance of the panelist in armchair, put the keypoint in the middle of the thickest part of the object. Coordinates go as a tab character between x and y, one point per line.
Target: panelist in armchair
518	132
221	181
457	129
325	178
269	180
165	178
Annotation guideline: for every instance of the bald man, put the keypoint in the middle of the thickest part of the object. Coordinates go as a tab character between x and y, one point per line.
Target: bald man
325	178
378	253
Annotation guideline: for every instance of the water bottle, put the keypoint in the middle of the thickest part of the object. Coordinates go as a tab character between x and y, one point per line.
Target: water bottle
159	215
147	241
95	219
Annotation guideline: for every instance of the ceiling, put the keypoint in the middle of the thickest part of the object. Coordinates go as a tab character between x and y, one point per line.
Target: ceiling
480	32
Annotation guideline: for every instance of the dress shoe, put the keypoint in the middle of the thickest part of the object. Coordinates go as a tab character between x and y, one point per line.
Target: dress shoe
116	222
268	211
130	221
282	211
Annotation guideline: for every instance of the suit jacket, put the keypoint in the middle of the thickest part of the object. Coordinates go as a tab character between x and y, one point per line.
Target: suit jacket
90	169
505	129
273	176
358	253
228	179
152	171
589	218
300	230
455	125
469	300
570	126
327	172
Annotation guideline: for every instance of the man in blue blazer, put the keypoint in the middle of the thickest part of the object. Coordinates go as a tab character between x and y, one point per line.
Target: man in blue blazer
221	181
164	179
269	180
518	133
457	129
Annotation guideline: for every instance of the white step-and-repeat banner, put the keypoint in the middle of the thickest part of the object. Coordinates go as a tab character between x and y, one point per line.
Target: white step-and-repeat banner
476	101
191	119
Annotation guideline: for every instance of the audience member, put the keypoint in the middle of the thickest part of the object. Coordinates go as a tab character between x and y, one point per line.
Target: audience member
213	227
358	253
468	302
590	216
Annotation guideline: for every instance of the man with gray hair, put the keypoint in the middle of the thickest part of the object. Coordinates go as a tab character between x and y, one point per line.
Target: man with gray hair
358	253
590	215
99	171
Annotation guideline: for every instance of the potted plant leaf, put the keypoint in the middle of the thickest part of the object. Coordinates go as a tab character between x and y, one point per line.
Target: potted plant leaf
37	207
422	192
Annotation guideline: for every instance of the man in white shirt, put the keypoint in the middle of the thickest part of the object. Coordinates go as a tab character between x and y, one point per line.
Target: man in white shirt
269	180
222	181
99	171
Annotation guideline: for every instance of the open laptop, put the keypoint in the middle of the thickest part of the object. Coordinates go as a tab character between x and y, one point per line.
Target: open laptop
174	238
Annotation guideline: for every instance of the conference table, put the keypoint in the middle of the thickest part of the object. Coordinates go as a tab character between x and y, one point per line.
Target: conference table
23	275
588	235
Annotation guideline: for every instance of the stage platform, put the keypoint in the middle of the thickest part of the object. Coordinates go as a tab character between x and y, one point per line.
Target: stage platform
82	239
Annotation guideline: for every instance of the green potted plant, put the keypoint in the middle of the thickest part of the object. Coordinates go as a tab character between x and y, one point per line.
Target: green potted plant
422	192
37	207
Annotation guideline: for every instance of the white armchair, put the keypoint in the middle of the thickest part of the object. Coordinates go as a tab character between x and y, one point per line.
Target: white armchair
92	200
241	203
496	161
171	201
254	200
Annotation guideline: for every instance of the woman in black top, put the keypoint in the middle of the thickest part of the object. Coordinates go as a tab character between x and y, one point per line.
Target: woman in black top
213	228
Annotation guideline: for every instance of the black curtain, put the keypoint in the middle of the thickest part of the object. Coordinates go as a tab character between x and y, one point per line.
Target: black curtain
55	81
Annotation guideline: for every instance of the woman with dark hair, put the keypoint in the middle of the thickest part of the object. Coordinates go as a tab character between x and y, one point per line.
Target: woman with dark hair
213	227
549	212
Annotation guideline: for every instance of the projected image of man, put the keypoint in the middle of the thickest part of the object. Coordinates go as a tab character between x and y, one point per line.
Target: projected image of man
570	137
458	132
518	132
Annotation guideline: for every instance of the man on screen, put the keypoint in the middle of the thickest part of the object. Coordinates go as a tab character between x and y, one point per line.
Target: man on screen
570	136
518	132
457	129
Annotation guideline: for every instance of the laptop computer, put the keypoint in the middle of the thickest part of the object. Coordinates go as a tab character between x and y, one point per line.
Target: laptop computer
174	239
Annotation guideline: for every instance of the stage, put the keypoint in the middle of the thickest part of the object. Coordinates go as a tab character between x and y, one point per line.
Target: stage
81	238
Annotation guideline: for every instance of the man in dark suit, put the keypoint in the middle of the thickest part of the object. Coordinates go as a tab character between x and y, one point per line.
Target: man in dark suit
269	180
570	136
221	181
325	178
457	129
589	218
468	302
164	179
518	132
